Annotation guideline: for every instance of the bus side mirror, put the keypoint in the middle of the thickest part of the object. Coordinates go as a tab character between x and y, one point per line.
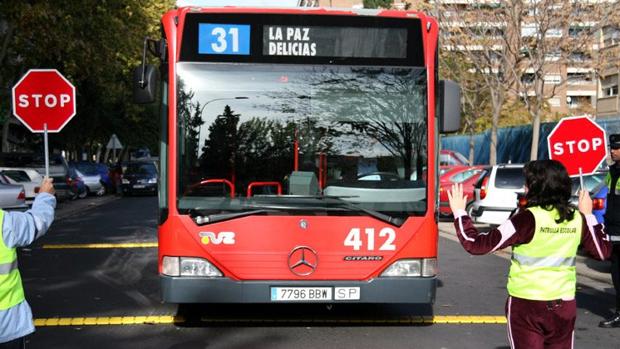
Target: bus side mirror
449	106
145	78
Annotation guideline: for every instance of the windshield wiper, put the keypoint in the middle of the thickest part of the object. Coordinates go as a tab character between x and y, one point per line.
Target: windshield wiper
342	204
202	219
375	214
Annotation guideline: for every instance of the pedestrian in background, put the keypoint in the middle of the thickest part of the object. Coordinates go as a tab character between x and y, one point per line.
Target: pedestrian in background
540	308
612	223
20	229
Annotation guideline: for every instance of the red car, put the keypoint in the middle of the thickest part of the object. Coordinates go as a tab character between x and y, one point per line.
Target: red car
452	158
448	175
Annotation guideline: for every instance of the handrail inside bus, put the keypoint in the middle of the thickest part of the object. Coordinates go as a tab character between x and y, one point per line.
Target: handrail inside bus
264	184
221	180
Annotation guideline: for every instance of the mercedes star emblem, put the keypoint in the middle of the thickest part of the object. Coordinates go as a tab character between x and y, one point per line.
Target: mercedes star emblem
302	261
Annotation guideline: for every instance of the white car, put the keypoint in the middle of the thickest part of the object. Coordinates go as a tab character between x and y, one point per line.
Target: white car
496	194
28	177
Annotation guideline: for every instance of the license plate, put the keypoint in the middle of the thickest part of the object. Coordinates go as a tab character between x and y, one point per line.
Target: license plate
347	293
138	186
301	293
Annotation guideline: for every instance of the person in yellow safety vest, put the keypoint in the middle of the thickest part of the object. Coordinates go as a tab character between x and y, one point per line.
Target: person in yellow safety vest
612	224
19	229
540	308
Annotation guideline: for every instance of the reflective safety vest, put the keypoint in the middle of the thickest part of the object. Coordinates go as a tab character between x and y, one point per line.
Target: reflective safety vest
612	212
613	191
544	268
11	289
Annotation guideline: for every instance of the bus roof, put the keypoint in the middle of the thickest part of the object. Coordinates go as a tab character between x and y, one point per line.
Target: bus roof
238	3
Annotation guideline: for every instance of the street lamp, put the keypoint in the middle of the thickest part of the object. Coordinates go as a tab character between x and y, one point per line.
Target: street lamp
211	101
200	128
221	99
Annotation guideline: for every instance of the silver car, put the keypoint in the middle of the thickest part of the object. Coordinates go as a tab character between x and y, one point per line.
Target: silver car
91	178
12	196
28	177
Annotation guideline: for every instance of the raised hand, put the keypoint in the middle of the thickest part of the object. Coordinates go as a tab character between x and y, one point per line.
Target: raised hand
585	202
456	198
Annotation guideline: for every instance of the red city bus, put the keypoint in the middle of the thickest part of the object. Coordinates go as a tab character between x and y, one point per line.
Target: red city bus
299	154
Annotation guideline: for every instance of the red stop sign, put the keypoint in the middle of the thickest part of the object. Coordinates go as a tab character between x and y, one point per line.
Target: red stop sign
44	96
578	143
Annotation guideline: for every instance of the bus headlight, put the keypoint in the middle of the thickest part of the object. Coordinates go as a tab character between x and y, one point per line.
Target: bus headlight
189	266
198	267
426	267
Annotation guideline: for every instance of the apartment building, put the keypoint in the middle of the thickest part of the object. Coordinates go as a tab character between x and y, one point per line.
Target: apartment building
569	74
570	80
398	4
608	103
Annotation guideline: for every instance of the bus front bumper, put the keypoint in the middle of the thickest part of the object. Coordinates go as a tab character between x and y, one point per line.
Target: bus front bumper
416	290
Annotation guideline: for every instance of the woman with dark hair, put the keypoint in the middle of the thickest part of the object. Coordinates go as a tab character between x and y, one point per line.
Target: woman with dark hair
540	308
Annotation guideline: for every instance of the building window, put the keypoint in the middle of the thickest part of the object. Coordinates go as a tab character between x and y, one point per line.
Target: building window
553	79
610	91
611	36
578	101
553	56
553	33
579	78
528	78
529	30
554	102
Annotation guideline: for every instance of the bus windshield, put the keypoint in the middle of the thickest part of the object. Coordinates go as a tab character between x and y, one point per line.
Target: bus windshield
258	135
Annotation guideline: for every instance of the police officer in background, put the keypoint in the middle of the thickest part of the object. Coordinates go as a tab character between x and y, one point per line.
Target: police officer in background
612	222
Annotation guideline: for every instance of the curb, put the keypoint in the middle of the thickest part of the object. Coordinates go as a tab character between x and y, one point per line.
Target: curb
74	207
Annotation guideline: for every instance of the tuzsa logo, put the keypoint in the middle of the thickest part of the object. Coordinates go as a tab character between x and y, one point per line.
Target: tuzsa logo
224	237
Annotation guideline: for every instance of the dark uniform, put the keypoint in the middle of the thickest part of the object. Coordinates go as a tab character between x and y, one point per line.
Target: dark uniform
612	223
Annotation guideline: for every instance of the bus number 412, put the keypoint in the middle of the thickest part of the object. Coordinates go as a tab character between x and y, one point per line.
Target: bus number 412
386	238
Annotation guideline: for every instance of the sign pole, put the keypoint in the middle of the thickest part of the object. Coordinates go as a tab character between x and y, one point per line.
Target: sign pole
47	159
581	179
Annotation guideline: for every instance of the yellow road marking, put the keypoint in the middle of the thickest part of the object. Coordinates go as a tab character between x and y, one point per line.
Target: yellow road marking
119	245
171	319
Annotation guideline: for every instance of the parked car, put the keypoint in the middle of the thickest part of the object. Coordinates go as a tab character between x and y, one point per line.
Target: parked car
12	196
496	194
139	177
452	158
449	175
90	176
29	178
58	169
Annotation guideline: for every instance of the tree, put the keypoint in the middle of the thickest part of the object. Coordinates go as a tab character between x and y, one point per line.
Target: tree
383	108
557	33
485	38
94	45
475	99
221	146
378	3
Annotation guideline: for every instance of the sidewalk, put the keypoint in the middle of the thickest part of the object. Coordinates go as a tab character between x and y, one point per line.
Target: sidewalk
591	273
70	208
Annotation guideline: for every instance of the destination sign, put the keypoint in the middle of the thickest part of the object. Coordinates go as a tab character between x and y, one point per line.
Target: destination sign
354	42
302	39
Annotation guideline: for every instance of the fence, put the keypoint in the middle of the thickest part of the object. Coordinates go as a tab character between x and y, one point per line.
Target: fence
513	143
